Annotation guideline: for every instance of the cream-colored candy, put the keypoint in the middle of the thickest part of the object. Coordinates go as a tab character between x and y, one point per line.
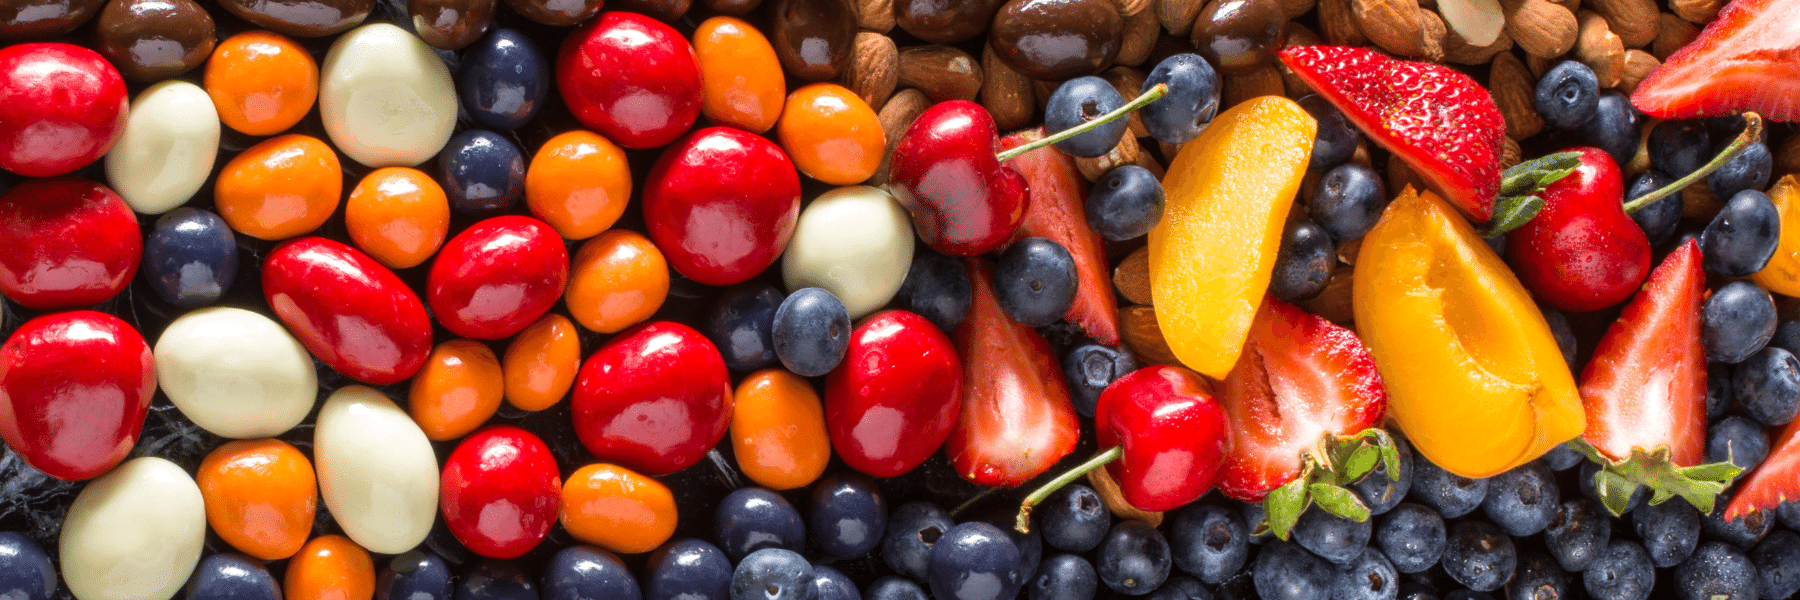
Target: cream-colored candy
855	242
236	373
171	138
134	533
386	97
377	472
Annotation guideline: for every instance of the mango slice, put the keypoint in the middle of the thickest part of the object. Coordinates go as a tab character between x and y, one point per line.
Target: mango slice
1782	274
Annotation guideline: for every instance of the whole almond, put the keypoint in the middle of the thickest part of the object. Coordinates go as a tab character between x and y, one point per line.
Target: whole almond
1393	25
1296	34
1540	27
1510	153
1129	82
1671	34
1634	21
875	15
1538	65
1261	81
1513	89
944	73
1337	24
1699	203
1696	11
1005	93
1132	276
1457	50
1638	65
1125	153
1401	175
1293	9
1433	30
1600	49
1574	6
1130	8
1177	16
1143	337
874	69
1149	163
1139	38
895	116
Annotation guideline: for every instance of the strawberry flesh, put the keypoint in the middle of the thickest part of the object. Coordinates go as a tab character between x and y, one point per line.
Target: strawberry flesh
1300	377
1057	211
1646	385
1443	124
1748	59
1775	481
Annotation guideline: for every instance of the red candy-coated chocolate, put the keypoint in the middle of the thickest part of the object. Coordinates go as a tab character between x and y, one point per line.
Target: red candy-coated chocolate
500	491
896	396
497	277
66	243
654	399
722	204
351	312
631	78
62	107
74	388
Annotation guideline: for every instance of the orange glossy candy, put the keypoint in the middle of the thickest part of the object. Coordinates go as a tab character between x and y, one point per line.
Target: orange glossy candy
280	188
778	430
398	215
260	496
330	567
740	76
459	388
617	509
262	83
617	280
541	362
579	183
832	135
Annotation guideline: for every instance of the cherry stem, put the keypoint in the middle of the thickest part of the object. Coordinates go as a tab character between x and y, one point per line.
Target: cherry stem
1099	460
1753	125
1146	98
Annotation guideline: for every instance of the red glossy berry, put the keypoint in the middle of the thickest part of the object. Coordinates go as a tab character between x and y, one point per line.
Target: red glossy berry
66	243
74	388
62	107
655	399
500	491
497	277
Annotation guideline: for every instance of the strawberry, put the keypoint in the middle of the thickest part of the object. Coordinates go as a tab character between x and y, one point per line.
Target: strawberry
1056	211
1775	481
1748	59
1443	124
1644	393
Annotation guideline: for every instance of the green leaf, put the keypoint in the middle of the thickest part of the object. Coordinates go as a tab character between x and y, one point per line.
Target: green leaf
1529	176
1339	501
1283	506
1614	490
1722	472
1511	212
1390	454
1361	461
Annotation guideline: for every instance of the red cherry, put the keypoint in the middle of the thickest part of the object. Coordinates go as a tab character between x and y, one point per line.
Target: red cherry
497	277
1582	252
348	310
66	243
631	78
722	204
1172	431
74	388
501	492
655	399
895	397
62	107
944	171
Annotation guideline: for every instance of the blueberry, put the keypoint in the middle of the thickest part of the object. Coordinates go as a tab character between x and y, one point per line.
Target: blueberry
1614	127
1451	494
937	288
1789	514
496	580
1348	201
1078	101
583	572
753	518
190	257
1578	533
687	569
848	515
1335	139
1723	129
1679	147
1089	369
741	324
910	534
1562	458
894	588
1304	262
1669	531
1413	590
1744	531
1332	537
974	561
1073	519
1719	399
504	79
1064	577
1126	203
1562	333
830	584
1787	336
1623	572
773	574
1538	577
1767	386
25	570
1382	493
1191	103
1035	281
1777	561
1412	536
1030	545
811	331
1180	588
1716	571
1497	244
1254	519
483	173
1736	321
217	577
1749	170
1209	541
1134	559
1479	555
1585	481
1285	571
1741	238
1567	95
1742	440
1523	500
415	575
1369	577
1658	219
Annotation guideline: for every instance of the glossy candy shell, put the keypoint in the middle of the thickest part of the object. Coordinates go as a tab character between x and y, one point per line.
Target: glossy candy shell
74	388
261	496
386	97
168	147
66	243
497	277
501	491
236	373
61	107
654	399
631	78
351	312
134	534
722	205
377	472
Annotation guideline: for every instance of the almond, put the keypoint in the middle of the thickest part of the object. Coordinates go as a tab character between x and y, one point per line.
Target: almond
1541	28
1139	38
1514	89
1149	163
874	69
1132	276
1433	30
1129	82
875	15
1787	157
1699	203
1143	337
1125	153
942	72
1293	9
1392	25
1260	81
1457	50
1005	93
1640	161
1510	153
1634	21
1638	65
1671	34
1698	12
1108	490
1333	303
1177	16
1600	49
1131	8
897	115
1401	175
1296	34
1337	23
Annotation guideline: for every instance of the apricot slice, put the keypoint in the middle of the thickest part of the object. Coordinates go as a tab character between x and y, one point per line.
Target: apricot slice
1782	274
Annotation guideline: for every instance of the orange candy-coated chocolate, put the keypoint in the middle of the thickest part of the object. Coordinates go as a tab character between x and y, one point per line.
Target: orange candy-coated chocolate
398	215
778	430
262	83
330	568
541	362
280	188
459	388
260	496
832	135
617	509
578	183
617	280
740	75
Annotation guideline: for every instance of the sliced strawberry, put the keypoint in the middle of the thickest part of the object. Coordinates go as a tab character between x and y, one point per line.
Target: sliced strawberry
1646	385
1443	124
1057	211
1775	481
1300	377
1748	59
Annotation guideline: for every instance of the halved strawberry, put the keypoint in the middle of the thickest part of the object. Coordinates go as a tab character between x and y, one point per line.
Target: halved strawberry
1775	481
1443	124
1748	59
1057	211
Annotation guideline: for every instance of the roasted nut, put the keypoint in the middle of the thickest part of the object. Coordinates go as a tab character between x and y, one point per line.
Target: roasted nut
1132	276
1131	8
1787	157
1005	93
1672	33
1513	89
1140	36
1457	50
1129	82
1392	25
942	72
1337	23
1638	65
1143	337
1177	16
1125	153
874	69
1634	21
1431	43
1263	81
1540	27
1696	11
1510	153
1600	49
1296	34
1293	9
897	115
